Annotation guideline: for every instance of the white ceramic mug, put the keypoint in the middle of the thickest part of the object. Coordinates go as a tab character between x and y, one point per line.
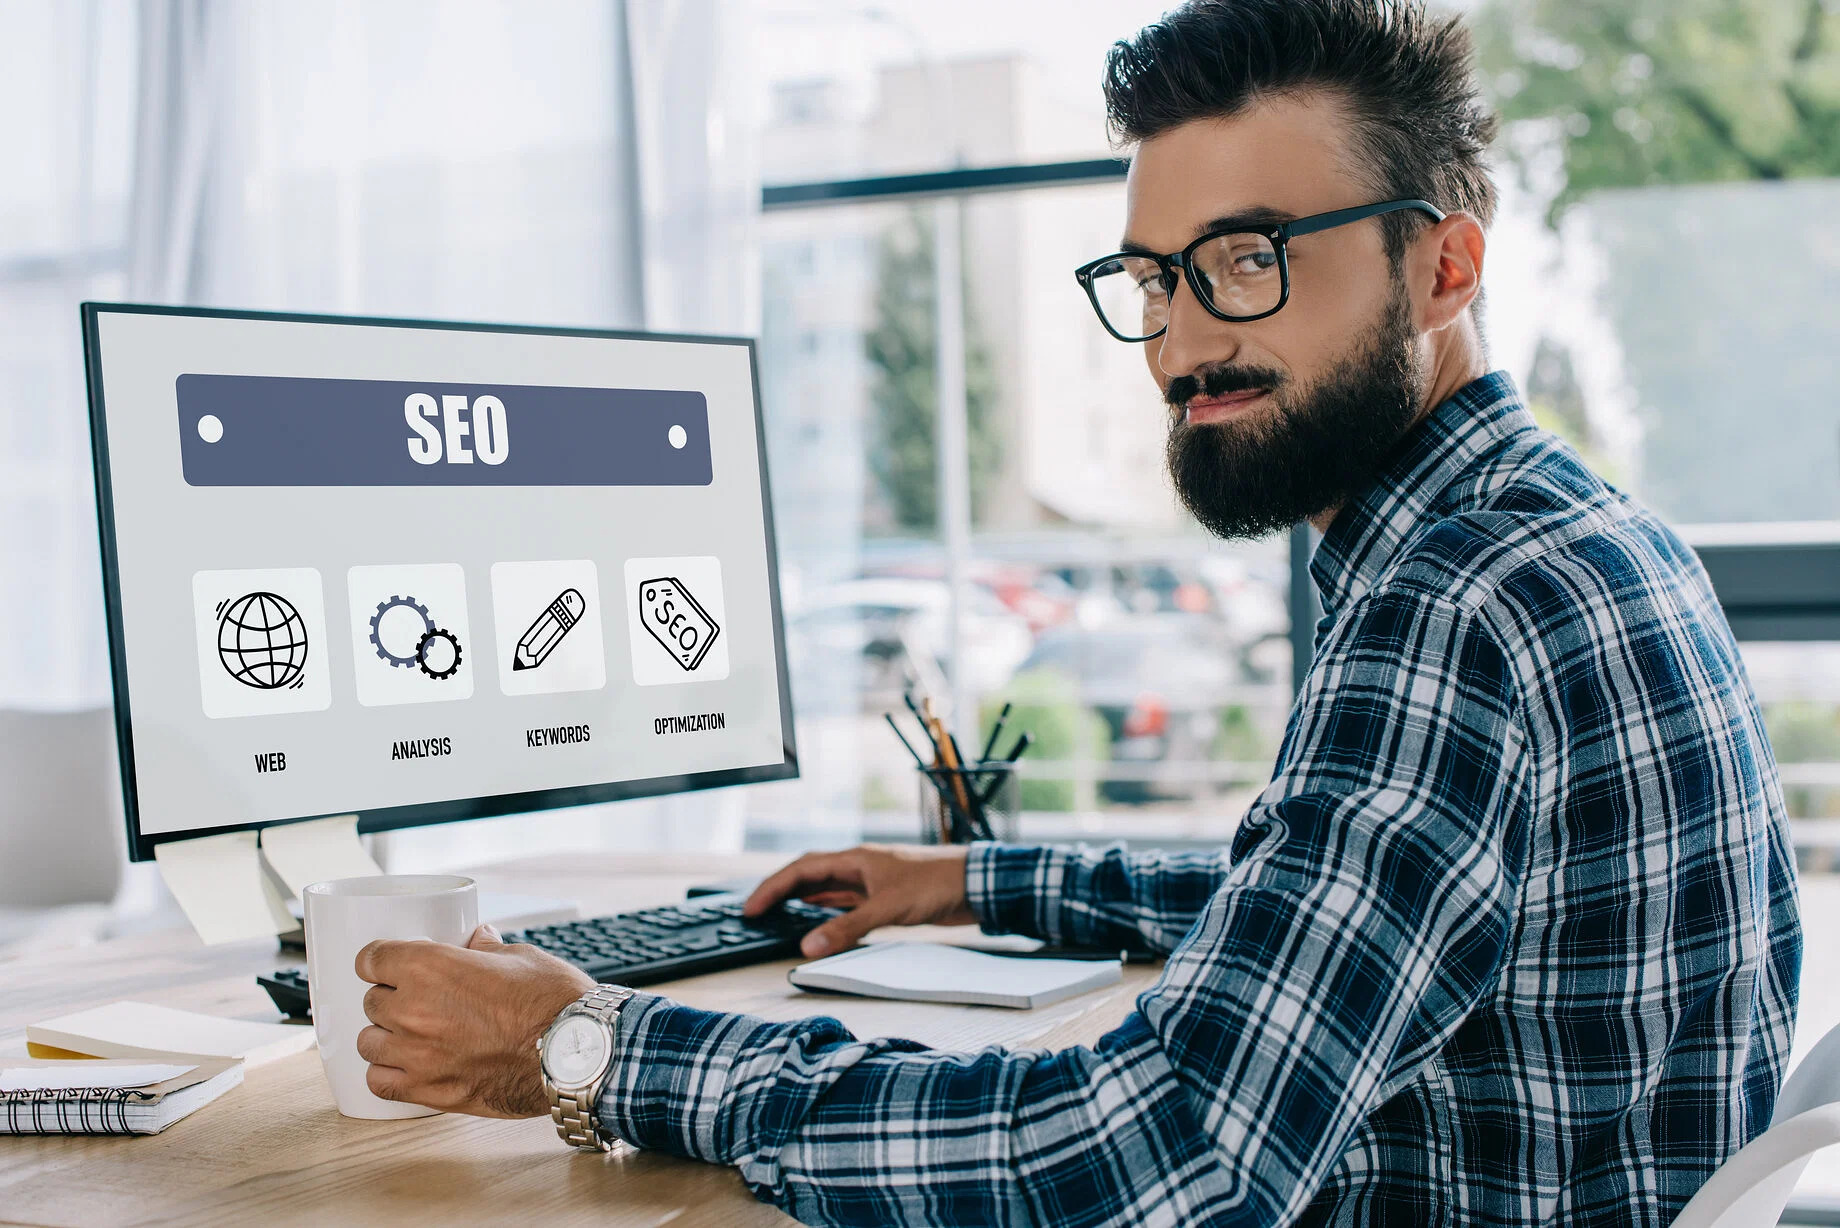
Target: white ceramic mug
342	916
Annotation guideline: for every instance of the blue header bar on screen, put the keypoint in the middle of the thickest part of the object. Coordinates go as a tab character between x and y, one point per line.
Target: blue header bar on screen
258	430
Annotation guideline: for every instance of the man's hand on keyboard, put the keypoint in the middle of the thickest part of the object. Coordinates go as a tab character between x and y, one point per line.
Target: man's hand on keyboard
456	1028
879	884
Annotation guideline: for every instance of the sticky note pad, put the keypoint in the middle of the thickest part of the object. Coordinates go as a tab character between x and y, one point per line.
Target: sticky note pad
316	851
222	888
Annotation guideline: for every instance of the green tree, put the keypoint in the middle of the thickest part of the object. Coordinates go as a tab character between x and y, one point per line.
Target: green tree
1806	732
1046	702
902	351
1558	403
1642	92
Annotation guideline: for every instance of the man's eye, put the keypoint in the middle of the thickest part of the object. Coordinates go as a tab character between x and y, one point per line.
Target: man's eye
1254	262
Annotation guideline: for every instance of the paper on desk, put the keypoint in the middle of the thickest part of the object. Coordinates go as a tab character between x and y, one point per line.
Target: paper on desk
313	852
140	1031
63	1076
220	884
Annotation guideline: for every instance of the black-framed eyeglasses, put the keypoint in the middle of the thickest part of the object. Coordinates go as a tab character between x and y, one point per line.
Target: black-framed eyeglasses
1238	275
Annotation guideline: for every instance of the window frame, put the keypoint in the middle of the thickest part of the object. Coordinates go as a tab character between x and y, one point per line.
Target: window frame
1772	588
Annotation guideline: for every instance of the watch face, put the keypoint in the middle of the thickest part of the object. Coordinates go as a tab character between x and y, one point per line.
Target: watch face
577	1051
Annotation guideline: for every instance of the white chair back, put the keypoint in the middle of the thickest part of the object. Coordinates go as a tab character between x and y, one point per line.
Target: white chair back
1814	1081
62	839
1754	1185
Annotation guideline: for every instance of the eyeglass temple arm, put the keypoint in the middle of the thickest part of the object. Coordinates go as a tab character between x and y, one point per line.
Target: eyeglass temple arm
1341	217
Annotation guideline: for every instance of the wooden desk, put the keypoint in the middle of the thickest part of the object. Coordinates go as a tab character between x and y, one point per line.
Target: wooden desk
276	1151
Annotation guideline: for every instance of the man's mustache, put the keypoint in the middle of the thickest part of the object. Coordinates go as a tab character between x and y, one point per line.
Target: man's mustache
1219	382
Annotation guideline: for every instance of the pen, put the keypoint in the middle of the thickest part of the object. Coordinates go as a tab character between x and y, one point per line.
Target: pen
991	742
907	697
918	761
980	826
949	819
1122	954
939	787
965	815
1015	753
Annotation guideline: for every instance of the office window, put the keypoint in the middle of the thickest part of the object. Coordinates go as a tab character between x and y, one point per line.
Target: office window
1151	664
1798	685
860	89
63	224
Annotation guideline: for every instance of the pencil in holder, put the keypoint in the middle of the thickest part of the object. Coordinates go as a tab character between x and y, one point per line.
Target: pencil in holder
978	801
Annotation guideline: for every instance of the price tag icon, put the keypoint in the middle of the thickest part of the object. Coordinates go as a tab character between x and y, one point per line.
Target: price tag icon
677	621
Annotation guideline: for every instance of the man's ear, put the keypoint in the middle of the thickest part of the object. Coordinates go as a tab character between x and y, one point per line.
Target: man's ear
1444	267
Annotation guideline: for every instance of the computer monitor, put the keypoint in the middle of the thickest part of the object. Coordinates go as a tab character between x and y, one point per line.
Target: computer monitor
424	571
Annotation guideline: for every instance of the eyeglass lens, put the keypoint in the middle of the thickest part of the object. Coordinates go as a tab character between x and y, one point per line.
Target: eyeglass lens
1237	272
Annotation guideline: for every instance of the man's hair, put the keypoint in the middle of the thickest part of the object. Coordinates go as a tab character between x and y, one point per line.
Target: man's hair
1419	123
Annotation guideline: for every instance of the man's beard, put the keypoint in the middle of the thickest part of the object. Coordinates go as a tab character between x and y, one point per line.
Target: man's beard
1308	451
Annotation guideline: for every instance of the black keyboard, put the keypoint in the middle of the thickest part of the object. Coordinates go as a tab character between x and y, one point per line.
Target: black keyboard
700	935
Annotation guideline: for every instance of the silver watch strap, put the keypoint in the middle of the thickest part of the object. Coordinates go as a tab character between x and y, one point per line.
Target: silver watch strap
604	1001
574	1112
575	1121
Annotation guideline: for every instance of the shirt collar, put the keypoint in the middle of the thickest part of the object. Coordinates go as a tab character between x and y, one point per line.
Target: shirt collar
1368	533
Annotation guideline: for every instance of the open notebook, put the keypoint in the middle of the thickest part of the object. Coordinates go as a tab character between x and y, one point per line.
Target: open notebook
87	1096
935	972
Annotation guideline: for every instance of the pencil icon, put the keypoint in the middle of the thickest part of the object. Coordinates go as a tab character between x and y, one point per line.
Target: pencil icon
555	622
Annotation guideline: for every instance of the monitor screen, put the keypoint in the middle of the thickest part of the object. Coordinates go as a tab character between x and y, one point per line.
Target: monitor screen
426	571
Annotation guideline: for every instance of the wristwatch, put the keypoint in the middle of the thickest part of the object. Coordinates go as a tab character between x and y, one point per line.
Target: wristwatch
576	1055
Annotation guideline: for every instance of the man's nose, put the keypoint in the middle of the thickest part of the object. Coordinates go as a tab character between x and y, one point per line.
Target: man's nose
1194	339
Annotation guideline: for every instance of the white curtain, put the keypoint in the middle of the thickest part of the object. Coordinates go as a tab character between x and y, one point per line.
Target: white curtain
176	146
697	106
467	159
454	158
66	91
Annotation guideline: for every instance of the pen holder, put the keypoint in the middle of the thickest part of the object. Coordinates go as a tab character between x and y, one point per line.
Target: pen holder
989	808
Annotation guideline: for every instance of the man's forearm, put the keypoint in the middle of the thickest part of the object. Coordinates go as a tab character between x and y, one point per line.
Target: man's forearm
838	1130
1091	897
1230	1091
682	1075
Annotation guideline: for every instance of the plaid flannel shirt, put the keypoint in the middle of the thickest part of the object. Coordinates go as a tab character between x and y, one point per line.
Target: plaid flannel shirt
1510	938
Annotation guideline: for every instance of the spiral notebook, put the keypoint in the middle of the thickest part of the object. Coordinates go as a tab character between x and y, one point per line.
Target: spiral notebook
92	1096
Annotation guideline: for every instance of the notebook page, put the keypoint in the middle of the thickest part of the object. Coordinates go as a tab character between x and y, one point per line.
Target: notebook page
936	968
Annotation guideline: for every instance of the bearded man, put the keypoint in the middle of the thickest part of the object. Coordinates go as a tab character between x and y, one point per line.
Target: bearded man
1511	936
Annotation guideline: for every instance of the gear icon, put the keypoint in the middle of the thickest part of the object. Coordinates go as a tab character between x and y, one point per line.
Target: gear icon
418	638
447	660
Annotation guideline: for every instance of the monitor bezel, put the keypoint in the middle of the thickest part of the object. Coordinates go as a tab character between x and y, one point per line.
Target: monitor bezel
393	818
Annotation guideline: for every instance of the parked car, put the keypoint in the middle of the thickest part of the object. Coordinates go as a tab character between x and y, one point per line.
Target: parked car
1042	598
1252	600
1160	682
878	619
1108	590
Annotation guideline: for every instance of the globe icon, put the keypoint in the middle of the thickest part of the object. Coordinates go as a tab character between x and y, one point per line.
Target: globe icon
262	641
